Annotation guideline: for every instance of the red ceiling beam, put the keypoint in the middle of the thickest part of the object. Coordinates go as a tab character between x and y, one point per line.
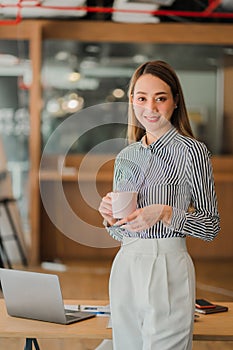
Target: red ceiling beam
212	6
207	13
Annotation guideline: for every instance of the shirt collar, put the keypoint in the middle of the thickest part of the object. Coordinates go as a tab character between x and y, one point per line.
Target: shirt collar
163	141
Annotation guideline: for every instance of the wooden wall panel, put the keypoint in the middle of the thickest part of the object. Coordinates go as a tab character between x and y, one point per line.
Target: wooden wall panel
56	245
47	242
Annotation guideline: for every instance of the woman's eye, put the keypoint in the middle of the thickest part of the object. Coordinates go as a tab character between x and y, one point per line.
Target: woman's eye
141	99
160	99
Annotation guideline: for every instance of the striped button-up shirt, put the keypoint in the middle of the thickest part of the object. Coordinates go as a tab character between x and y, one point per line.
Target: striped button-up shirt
174	170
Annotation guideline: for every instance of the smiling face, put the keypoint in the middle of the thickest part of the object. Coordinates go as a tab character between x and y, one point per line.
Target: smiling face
153	105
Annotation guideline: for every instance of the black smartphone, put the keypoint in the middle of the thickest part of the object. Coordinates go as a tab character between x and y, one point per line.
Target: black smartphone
204	304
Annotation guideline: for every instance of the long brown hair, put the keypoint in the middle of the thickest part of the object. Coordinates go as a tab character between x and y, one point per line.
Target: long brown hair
179	118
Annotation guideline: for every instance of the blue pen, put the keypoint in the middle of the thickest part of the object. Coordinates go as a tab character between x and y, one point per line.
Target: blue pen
96	310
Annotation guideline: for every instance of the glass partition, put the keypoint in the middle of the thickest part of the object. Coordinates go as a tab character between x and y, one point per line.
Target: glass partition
78	76
15	77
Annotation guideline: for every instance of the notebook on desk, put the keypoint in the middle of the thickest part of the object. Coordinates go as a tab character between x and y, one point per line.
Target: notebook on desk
37	296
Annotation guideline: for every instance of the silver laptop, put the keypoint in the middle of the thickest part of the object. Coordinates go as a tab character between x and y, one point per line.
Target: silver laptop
37	296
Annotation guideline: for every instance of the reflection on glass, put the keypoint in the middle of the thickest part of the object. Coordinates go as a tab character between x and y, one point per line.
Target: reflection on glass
15	77
78	75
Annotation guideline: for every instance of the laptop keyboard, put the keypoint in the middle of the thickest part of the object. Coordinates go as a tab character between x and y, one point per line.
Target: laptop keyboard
77	315
70	315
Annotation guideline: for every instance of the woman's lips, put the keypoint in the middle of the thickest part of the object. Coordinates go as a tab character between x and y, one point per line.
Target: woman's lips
152	118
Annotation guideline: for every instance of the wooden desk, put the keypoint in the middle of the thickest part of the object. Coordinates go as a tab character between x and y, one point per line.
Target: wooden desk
214	327
95	328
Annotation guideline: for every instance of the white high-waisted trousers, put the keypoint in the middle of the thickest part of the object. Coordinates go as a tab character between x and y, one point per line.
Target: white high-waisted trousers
152	295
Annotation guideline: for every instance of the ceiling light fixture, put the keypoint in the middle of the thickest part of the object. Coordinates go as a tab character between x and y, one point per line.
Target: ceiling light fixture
118	93
74	76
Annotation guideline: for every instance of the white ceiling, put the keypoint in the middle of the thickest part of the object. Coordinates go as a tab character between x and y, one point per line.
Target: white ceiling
42	8
69	8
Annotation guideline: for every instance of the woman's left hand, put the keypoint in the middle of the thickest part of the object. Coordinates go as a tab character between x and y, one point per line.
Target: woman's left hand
143	218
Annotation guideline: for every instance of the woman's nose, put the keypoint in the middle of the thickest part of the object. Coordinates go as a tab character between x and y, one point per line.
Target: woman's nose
152	105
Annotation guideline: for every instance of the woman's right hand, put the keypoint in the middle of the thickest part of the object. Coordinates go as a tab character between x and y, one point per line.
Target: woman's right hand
105	209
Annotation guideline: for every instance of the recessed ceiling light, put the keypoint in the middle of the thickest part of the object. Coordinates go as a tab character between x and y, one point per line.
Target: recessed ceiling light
62	56
228	51
74	76
118	93
140	58
92	49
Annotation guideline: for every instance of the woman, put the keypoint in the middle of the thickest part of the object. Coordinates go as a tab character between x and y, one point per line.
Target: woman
152	282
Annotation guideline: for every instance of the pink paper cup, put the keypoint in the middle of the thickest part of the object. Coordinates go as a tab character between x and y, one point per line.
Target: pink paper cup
123	204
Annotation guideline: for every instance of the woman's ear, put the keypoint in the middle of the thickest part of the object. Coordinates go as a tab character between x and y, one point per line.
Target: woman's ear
176	99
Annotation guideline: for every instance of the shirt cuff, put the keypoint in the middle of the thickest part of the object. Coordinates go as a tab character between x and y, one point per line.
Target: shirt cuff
114	231
178	220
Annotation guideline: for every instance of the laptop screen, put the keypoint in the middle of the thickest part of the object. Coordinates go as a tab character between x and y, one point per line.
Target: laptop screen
34	295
